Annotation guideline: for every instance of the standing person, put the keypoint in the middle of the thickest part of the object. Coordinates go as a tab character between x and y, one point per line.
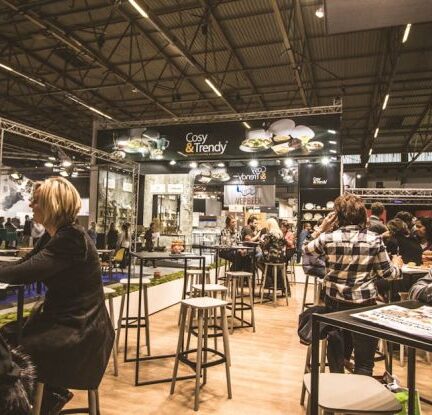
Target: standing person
124	240
10	227
2	219
37	231
27	231
304	235
229	237
423	231
355	257
112	236
70	337
375	223
149	238
92	232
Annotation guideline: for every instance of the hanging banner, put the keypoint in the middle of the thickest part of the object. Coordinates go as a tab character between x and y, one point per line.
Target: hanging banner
249	195
297	136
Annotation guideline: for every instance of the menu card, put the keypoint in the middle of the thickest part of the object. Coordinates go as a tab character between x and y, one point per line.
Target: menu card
416	321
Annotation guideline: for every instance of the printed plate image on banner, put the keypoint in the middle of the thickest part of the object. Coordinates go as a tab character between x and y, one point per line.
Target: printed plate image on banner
249	195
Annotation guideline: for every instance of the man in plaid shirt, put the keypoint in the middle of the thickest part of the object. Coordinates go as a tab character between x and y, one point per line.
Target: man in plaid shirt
354	258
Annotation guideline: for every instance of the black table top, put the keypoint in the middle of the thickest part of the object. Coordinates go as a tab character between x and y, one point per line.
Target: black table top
344	319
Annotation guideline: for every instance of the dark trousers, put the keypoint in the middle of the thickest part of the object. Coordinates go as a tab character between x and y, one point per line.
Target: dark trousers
341	343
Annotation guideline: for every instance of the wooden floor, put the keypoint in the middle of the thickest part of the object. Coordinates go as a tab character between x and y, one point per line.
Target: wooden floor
267	370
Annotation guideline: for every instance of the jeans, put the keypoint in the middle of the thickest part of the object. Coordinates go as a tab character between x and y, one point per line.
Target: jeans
341	343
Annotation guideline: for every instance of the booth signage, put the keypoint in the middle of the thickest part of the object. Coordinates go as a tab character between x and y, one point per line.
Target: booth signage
197	144
249	195
318	176
175	188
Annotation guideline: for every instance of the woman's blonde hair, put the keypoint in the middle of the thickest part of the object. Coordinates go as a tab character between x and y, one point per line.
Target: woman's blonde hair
58	200
273	227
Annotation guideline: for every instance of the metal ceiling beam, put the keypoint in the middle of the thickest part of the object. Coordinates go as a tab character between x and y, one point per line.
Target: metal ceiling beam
215	20
387	71
175	43
417	124
23	130
166	57
78	47
289	50
198	119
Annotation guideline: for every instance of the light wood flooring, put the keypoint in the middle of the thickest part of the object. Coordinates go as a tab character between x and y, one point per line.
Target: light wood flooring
266	372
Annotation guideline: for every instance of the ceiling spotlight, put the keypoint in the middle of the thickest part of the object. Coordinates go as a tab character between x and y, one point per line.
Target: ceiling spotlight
221	164
193	164
253	163
406	33
138	8
358	176
325	161
215	90
331	131
173	162
246	125
332	142
288	162
320	12
385	102
52	158
48	164
64	173
376	132
333	151
66	163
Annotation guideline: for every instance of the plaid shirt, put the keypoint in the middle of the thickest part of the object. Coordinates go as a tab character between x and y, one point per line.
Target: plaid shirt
354	257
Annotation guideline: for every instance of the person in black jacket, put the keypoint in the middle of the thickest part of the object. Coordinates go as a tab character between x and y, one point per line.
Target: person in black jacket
70	337
112	237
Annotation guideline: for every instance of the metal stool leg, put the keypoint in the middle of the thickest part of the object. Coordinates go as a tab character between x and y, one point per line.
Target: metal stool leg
305	291
275	272
92	402
264	278
120	319
233	302
285	282
251	299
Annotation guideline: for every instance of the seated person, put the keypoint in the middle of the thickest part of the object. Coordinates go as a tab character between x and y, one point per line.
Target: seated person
422	289
312	263
70	336
273	248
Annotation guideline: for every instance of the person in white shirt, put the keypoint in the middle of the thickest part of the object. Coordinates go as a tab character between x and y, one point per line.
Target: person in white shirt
124	240
37	230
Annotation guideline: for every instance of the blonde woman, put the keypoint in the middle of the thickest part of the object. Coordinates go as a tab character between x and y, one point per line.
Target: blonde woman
70	337
273	243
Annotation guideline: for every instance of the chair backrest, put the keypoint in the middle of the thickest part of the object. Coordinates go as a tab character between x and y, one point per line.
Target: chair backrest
119	255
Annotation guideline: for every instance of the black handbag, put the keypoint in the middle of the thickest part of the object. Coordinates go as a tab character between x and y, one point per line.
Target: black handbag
304	329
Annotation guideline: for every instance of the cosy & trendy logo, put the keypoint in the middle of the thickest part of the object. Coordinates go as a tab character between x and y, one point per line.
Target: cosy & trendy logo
256	174
196	144
319	180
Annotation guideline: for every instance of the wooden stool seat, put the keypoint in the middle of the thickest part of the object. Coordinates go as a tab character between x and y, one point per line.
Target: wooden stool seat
135	281
203	303
210	287
239	274
353	394
197	271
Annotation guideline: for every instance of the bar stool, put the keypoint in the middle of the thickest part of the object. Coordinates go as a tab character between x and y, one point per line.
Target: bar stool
92	396
194	276
109	294
291	255
317	288
129	320
202	305
236	279
307	369
275	266
353	394
210	290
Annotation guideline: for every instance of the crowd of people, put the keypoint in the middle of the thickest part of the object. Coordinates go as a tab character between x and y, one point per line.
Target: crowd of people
25	234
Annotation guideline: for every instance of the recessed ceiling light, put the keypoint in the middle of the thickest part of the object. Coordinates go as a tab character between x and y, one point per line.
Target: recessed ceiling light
376	132
173	162
385	101
332	142
288	162
333	151
253	163
64	173
325	161
406	33
331	131
246	125
52	158
66	163
193	164
320	12
48	164
221	164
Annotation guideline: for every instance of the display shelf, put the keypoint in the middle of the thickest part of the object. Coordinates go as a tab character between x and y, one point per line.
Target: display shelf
317	210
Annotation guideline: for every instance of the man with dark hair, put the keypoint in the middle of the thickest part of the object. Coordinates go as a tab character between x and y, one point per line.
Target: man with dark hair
27	231
408	218
375	223
250	231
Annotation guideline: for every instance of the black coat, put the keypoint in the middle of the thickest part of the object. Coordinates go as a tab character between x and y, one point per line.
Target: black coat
71	338
409	249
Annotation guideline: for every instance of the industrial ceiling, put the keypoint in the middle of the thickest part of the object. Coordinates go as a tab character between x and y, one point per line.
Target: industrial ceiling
65	59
